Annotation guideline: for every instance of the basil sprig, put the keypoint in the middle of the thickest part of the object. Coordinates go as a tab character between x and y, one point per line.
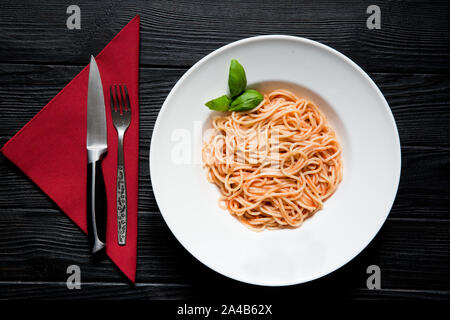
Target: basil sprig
241	99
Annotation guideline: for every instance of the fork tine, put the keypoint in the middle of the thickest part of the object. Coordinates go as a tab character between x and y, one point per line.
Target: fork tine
128	98
122	98
111	102
118	100
122	95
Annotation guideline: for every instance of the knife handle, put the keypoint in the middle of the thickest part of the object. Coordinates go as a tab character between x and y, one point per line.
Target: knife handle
96	206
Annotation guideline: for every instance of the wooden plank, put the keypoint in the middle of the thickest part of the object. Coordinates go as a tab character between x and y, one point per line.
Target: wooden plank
97	291
108	291
414	35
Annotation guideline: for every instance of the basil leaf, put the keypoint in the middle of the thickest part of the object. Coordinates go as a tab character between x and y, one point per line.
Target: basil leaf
237	81
219	104
247	101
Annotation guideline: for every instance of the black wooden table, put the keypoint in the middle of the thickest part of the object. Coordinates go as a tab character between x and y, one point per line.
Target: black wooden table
408	58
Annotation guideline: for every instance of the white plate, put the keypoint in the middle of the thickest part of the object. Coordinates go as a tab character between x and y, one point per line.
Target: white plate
349	220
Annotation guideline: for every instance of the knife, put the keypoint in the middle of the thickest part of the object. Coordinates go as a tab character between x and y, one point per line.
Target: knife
97	146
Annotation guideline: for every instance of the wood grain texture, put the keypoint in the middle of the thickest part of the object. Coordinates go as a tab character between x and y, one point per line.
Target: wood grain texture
98	291
150	291
414	34
407	58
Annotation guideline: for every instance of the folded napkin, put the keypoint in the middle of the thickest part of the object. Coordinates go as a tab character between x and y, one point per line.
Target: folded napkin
51	148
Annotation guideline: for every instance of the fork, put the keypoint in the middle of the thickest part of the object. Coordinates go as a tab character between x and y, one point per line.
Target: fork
121	116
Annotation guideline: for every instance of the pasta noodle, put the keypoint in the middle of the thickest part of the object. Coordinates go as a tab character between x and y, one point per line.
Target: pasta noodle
276	164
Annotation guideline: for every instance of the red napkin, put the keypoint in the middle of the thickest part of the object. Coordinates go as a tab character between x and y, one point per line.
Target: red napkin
51	148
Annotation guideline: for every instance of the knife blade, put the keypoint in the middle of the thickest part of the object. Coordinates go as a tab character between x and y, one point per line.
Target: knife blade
97	146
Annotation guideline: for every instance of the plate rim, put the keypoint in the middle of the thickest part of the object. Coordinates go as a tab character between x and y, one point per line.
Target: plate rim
309	42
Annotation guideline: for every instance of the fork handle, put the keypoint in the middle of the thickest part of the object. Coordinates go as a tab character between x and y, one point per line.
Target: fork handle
121	190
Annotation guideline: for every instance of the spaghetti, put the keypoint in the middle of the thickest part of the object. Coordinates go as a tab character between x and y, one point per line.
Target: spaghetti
276	164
